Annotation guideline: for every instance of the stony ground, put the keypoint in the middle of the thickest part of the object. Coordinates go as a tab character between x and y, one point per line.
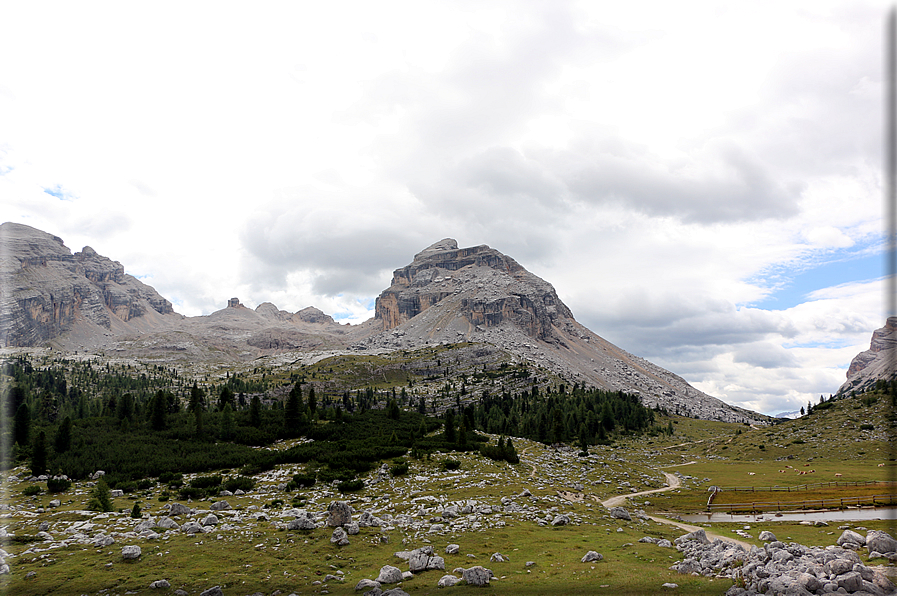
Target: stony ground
542	516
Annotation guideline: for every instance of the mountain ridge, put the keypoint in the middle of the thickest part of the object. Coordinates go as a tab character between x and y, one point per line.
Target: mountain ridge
445	295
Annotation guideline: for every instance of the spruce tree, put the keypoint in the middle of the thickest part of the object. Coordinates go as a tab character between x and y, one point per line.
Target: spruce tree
312	401
159	410
100	497
450	425
255	411
227	423
196	406
63	439
39	455
23	425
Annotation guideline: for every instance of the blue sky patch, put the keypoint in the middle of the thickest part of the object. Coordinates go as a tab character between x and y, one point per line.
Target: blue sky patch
58	192
793	285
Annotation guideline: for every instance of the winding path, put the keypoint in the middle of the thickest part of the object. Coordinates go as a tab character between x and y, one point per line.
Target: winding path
672	482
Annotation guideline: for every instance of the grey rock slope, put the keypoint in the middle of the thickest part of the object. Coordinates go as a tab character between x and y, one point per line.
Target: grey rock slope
46	292
451	294
878	362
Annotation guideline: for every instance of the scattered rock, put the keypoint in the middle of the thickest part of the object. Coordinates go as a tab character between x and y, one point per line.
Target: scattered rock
592	556
339	537
338	514
130	552
767	536
213	591
367	584
389	575
160	583
560	520
452	549
620	513
477	576
220	506
447	581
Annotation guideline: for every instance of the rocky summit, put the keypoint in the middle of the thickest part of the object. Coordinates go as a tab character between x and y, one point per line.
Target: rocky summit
47	292
447	295
878	362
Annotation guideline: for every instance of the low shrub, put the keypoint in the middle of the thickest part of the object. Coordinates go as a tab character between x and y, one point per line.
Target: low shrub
32	490
244	483
206	482
399	469
58	485
451	464
350	486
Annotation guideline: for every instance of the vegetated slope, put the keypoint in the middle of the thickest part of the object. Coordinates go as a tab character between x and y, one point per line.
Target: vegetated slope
879	362
861	427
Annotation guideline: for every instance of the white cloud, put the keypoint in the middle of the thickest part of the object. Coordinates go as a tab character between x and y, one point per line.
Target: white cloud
657	162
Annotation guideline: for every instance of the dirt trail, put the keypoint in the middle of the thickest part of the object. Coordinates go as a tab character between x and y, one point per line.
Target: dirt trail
672	482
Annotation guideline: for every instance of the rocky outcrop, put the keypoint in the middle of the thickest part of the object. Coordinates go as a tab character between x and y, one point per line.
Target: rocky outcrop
878	362
46	291
492	287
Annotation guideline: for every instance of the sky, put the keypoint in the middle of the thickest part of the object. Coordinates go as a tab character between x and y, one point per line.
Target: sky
700	181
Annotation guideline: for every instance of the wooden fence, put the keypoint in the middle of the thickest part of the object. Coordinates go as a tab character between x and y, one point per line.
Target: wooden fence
835	503
800	487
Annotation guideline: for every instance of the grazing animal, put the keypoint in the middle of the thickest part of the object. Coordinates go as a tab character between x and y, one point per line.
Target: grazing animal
881	465
838	475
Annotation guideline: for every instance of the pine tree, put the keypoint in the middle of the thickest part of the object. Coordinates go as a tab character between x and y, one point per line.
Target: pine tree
39	455
22	425
196	406
227	422
312	401
159	411
226	398
255	411
450	426
63	439
135	511
100	498
293	410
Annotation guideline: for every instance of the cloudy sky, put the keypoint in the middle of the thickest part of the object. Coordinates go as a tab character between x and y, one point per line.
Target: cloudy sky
701	182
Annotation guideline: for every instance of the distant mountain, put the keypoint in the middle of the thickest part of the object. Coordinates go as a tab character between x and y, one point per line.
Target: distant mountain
84	301
878	362
789	415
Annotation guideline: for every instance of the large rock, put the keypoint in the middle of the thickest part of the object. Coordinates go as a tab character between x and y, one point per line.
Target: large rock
339	513
420	561
367	584
213	591
592	556
447	581
877	540
339	537
849	536
301	523
767	536
130	552
178	509
620	513
875	363
477	576
220	506
389	575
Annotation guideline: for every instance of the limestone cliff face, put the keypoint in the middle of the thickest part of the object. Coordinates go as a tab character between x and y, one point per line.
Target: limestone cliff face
493	288
449	294
878	362
45	290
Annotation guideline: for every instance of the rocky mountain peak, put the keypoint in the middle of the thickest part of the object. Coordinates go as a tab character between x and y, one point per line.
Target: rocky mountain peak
875	363
46	291
479	284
